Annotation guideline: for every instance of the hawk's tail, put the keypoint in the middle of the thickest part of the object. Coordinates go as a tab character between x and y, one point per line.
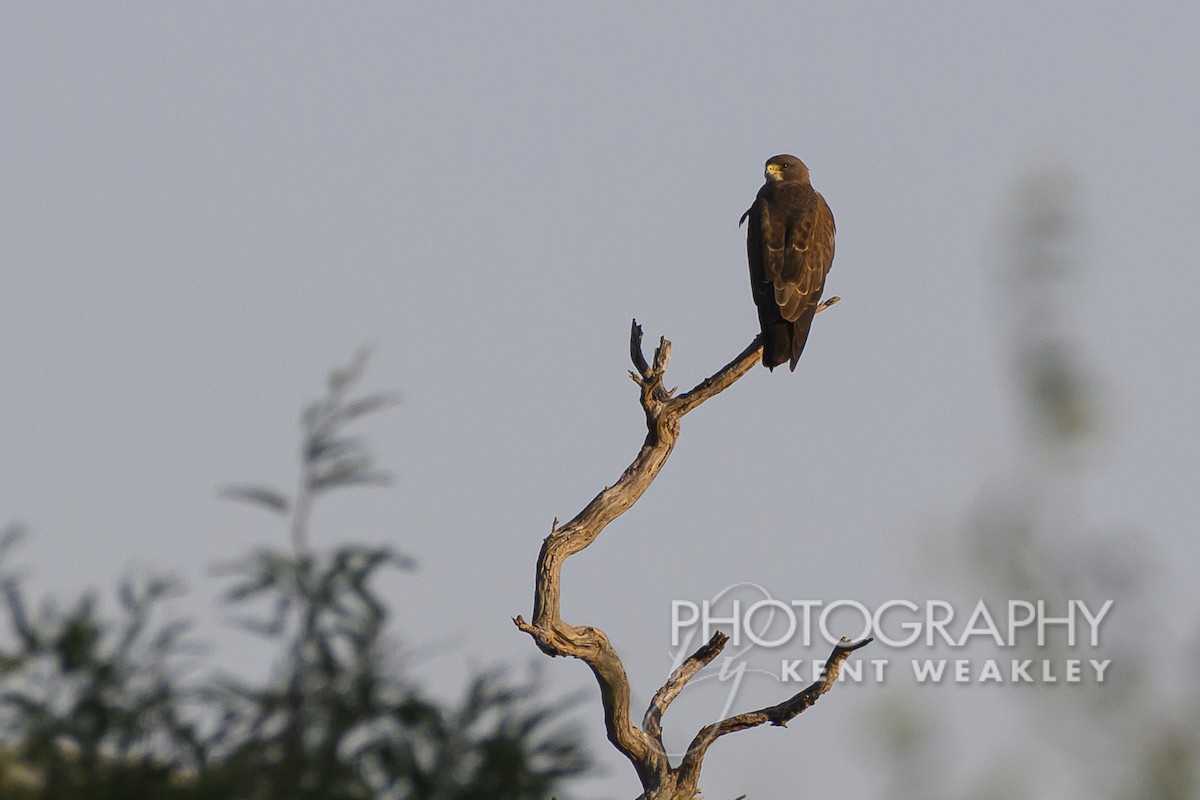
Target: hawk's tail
777	345
798	331
783	342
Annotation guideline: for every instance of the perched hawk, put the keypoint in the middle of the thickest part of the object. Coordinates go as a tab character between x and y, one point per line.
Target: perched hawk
789	244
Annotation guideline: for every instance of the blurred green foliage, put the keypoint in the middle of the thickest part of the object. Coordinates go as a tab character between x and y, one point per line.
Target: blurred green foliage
1136	736
97	707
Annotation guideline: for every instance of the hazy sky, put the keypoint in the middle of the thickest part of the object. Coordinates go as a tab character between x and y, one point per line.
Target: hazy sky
203	208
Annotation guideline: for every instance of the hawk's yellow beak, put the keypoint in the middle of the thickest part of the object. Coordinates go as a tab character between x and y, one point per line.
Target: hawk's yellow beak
773	171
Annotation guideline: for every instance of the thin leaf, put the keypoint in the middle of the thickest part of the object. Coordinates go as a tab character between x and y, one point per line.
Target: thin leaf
270	499
365	405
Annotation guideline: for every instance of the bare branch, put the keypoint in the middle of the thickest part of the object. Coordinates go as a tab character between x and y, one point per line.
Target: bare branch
723	378
555	637
779	715
832	301
652	723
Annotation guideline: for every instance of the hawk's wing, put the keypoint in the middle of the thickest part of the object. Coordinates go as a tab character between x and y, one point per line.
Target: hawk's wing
797	231
790	249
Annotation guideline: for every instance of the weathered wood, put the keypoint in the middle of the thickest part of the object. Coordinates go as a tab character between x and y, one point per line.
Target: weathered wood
643	745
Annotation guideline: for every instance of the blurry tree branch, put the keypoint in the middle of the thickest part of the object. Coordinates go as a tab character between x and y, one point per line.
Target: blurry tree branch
1031	534
337	721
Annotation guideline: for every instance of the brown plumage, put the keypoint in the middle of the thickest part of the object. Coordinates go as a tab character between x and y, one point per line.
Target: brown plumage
789	244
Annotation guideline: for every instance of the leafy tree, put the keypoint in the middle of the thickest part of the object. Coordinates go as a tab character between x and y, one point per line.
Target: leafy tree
97	708
92	707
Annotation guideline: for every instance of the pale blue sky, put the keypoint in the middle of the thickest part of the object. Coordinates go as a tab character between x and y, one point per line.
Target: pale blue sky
203	208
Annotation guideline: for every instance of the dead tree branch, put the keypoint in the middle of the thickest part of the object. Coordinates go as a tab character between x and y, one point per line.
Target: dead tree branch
781	715
643	745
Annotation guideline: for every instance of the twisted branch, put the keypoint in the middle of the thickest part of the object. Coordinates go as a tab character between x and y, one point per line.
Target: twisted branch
643	745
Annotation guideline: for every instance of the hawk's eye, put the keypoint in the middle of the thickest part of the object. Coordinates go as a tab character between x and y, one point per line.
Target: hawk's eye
785	166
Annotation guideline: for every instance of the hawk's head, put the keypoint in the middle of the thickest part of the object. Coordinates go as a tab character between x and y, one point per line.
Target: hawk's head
786	168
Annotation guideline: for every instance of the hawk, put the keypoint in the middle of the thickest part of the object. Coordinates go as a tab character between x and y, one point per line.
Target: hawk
789	244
